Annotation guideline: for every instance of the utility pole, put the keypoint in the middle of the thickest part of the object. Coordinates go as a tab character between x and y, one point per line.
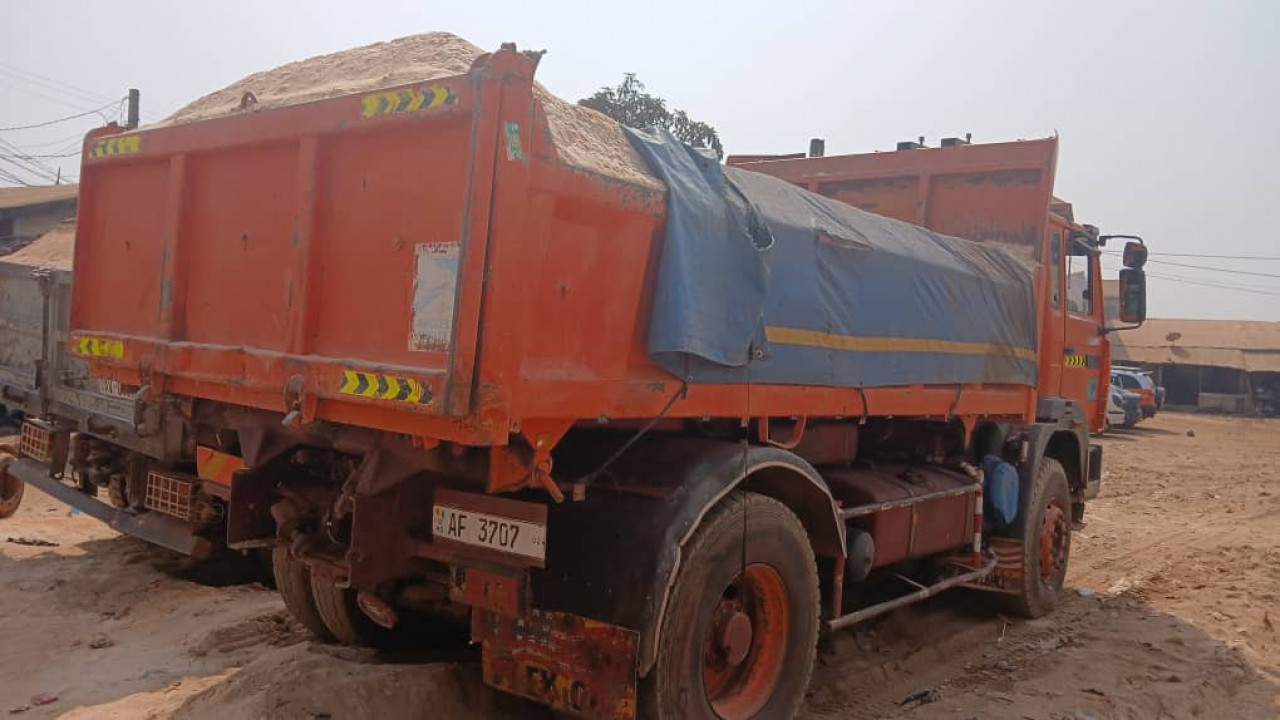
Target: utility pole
134	98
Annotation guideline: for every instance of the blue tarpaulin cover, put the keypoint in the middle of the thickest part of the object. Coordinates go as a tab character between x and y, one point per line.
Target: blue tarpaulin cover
761	281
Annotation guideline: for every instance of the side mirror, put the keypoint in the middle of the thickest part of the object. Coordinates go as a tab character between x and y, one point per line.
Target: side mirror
1135	255
1133	293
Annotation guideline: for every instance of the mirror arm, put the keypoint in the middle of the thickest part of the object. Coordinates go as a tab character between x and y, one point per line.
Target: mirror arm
1102	239
1105	330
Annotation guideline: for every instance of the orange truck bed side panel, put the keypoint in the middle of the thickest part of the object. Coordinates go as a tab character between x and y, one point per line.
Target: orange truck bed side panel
432	270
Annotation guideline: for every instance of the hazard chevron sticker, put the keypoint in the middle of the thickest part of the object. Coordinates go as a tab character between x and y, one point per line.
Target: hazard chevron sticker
377	386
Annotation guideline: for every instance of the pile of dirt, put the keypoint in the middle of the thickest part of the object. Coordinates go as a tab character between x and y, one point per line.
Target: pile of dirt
583	137
308	680
54	249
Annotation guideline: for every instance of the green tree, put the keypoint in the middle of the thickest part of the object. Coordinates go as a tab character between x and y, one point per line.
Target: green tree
630	105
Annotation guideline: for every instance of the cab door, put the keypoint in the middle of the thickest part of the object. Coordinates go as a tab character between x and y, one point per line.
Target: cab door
1083	345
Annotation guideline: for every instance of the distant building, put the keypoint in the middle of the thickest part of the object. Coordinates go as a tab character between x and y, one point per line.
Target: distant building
1223	365
26	213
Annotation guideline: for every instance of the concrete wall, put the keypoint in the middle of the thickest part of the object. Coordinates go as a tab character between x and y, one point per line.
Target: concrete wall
1223	402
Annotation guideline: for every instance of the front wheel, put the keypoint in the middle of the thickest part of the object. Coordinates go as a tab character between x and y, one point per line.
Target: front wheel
1044	526
741	624
11	489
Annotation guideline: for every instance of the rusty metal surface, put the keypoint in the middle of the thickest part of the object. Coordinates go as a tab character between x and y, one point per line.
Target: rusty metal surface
153	527
580	666
503	591
909	510
647	531
171	493
966	578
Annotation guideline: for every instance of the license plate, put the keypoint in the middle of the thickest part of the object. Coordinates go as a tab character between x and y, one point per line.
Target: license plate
503	534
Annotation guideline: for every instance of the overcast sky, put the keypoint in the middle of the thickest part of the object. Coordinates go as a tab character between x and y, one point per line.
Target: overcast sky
1168	112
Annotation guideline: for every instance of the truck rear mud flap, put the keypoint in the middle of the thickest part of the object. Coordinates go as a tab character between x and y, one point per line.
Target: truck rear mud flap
579	666
153	527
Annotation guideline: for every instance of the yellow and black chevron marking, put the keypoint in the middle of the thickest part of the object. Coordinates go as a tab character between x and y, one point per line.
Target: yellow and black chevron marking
377	386
1091	361
390	102
112	146
98	347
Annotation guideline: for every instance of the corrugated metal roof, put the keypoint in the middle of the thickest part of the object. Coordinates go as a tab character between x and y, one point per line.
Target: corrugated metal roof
1241	344
18	197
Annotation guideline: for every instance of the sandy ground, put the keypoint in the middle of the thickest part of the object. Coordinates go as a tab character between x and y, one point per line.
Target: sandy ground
1172	613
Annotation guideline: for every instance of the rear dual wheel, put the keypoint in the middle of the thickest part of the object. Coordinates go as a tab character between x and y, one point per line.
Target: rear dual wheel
323	607
740	631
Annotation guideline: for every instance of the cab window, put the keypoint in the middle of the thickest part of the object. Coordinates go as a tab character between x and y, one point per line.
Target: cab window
1079	285
1055	260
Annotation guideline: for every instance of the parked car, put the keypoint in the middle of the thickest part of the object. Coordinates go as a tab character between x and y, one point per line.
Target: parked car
1137	381
1124	409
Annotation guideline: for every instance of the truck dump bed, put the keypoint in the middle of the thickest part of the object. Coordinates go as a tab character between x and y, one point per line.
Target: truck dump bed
426	259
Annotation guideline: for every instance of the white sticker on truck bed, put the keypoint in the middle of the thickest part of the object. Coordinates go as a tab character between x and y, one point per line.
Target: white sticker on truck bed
504	534
435	286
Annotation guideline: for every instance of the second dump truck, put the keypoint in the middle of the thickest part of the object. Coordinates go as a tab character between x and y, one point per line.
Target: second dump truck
648	437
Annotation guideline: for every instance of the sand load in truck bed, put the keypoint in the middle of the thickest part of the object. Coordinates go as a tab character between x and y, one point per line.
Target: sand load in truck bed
761	281
583	138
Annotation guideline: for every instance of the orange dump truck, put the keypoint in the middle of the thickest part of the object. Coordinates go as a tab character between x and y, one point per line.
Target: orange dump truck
649	433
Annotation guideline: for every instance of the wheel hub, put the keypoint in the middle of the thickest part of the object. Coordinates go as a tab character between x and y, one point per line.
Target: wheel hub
744	647
735	638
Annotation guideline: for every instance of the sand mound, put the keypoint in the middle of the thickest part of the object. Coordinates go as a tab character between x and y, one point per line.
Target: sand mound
307	681
53	249
583	137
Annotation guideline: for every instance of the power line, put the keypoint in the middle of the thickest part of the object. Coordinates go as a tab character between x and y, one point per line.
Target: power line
78	138
51	83
1198	255
27	162
1215	269
64	101
10	177
56	156
23	168
1219	286
95	111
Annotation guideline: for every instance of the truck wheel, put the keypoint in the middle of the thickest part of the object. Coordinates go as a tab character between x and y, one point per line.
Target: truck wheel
1044	525
117	492
343	617
738	643
11	489
293	580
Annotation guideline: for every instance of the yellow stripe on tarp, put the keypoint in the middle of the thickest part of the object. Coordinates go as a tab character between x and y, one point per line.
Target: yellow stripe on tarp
856	343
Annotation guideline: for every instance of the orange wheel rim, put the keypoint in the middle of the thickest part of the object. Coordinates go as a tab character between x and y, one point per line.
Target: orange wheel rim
1053	542
745	643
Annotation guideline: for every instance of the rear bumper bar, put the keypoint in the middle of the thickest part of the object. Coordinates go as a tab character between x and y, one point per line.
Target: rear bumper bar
153	527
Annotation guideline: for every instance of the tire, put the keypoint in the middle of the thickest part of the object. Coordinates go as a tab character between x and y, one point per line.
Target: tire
1044	518
344	619
293	580
117	492
695	675
11	489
